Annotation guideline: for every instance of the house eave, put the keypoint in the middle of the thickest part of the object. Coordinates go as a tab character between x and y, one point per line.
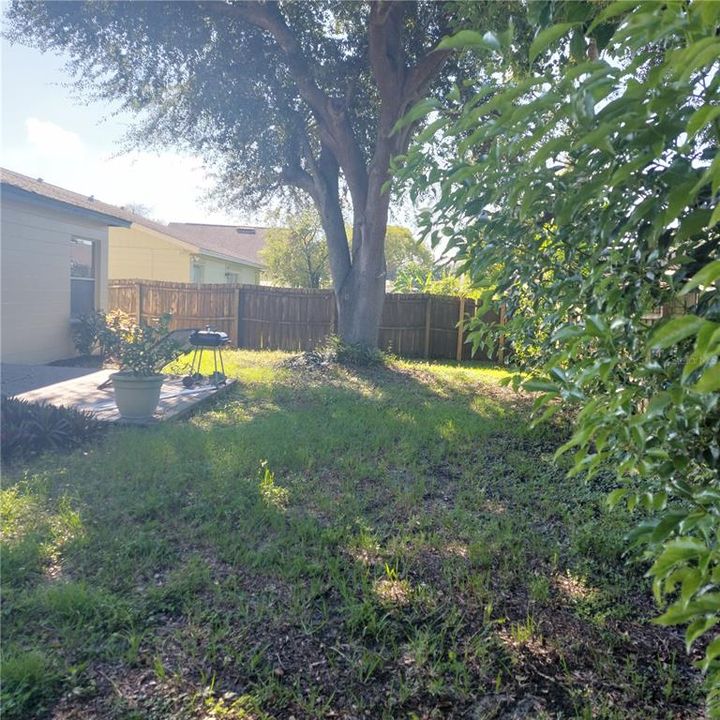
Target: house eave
228	258
10	192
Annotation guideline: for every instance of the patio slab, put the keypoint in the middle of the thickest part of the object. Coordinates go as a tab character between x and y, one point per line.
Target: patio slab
84	393
22	378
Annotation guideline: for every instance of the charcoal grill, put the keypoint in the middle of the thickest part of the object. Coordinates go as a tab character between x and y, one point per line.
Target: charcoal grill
207	340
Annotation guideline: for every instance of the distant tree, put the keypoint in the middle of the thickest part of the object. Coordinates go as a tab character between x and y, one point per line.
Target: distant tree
305	95
441	281
296	255
139	209
402	251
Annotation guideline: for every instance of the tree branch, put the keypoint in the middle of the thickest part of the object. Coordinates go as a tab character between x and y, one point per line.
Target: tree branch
331	115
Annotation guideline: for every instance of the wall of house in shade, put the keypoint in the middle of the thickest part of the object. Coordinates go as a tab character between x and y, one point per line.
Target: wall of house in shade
38	249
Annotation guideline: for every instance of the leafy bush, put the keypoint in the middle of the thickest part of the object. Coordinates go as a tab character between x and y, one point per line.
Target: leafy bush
87	331
584	192
334	350
29	428
139	349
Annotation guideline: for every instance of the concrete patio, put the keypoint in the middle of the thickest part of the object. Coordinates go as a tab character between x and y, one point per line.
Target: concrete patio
84	393
16	379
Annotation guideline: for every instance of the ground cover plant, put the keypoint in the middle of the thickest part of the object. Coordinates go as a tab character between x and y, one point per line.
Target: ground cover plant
329	541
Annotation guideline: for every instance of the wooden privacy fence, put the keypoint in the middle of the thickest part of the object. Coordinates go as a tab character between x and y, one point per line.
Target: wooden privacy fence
268	318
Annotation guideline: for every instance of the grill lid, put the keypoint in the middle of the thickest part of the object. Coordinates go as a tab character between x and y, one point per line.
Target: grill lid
208	338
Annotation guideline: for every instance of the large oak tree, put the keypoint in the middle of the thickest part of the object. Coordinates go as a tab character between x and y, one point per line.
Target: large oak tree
274	95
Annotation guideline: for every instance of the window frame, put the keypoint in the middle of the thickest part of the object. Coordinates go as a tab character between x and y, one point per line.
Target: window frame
92	278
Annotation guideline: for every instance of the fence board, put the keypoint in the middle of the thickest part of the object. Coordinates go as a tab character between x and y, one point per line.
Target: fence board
269	318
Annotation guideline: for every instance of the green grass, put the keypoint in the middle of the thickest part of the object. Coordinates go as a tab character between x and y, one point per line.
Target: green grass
390	543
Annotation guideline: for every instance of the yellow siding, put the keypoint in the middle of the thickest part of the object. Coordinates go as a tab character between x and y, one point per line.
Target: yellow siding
136	253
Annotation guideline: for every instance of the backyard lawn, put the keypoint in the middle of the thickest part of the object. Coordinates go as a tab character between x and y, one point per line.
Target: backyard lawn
390	542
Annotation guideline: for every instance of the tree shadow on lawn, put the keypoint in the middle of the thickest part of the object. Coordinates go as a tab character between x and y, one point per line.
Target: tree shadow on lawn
408	549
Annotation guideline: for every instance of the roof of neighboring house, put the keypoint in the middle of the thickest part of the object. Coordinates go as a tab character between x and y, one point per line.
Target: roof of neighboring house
231	242
238	241
53	196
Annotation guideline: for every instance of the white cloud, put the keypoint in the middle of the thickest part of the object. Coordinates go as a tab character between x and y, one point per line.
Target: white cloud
171	184
49	139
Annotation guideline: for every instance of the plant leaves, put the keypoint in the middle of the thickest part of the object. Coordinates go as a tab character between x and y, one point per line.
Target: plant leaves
547	37
675	331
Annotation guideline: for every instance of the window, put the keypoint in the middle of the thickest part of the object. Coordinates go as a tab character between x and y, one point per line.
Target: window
198	273
83	261
231	277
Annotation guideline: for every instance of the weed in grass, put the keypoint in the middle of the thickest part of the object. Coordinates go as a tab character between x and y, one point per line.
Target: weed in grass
28	683
539	588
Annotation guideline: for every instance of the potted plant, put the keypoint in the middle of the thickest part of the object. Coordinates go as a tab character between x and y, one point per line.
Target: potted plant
141	351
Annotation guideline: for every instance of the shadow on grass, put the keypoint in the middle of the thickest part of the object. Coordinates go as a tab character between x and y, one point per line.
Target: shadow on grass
402	552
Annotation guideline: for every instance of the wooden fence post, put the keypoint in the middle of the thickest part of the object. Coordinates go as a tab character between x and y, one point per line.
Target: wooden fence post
428	314
333	313
461	330
139	289
239	309
236	305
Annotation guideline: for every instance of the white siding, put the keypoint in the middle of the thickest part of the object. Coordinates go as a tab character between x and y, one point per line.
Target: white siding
35	279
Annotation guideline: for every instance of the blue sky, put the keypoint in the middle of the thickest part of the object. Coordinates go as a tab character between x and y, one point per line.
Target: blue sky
48	133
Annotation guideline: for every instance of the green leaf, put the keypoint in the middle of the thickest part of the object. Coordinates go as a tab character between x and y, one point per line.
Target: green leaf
706	114
417	111
709	381
491	40
540	386
568	332
616	496
675	331
707	276
467	39
713	651
697	628
705	57
619	7
596	326
666	525
676	551
547	37
715	217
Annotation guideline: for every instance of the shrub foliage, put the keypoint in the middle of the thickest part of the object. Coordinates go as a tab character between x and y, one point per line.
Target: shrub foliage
584	194
29	428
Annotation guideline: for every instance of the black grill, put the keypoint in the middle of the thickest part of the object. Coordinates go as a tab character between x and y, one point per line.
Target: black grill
212	340
208	338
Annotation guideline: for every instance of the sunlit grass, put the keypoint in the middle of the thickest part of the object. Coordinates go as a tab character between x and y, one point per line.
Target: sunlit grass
388	542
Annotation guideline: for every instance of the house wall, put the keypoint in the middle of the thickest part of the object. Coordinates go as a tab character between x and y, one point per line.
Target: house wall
215	271
136	253
35	279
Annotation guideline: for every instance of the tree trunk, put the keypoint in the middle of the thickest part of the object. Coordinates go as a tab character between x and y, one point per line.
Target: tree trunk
360	305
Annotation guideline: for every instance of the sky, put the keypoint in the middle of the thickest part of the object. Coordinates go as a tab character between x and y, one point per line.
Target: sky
46	132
